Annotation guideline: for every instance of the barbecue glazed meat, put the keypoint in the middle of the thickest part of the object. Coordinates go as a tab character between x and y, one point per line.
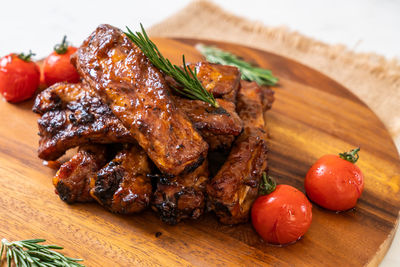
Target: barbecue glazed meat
181	197
232	191
221	80
138	95
218	141
218	129
218	126
123	185
267	96
72	179
73	115
221	121
250	106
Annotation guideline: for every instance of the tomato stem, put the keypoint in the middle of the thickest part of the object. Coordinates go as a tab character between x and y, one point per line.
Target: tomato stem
267	185
63	47
351	156
26	58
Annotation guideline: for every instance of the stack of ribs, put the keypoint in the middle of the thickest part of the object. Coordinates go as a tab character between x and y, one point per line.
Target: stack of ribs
142	145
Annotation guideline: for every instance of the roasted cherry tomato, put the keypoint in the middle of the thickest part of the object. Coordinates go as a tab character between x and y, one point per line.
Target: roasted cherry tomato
283	216
335	182
19	77
57	66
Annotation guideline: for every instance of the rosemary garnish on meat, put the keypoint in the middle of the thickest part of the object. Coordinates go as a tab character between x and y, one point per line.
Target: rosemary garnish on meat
249	72
29	253
185	76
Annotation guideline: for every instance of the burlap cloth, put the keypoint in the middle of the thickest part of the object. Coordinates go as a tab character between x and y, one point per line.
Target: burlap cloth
371	77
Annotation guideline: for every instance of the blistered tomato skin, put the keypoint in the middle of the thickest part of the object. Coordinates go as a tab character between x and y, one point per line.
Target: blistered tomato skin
19	79
283	216
58	68
334	183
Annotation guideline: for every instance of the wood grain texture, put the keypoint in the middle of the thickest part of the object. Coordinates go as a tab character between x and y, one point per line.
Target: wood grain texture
312	115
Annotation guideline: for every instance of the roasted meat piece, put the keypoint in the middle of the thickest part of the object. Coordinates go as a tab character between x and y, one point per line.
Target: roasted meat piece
138	95
218	142
250	106
72	179
218	126
267	96
221	121
221	80
73	115
123	185
232	191
181	197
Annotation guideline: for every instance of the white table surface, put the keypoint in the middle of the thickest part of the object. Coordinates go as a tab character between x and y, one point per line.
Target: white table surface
365	26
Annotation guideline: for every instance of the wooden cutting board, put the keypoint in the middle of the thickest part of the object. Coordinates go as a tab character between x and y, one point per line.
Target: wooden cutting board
312	115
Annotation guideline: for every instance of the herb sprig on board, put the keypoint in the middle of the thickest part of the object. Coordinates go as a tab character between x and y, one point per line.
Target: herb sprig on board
249	72
28	253
185	76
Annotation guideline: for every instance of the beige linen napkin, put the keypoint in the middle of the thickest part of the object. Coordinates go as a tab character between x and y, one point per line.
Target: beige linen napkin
371	77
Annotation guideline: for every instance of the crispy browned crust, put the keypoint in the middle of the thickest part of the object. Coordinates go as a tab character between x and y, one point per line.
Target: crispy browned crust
138	95
218	126
267	97
217	141
250	106
220	121
73	115
123	185
221	80
72	179
232	191
181	197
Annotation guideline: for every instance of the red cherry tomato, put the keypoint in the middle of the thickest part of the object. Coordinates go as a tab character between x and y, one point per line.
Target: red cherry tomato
335	182
283	216
57	66
19	77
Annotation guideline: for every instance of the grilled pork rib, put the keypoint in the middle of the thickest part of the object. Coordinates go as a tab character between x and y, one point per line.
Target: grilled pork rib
181	197
138	95
72	179
73	115
221	80
232	191
123	185
267	96
218	126
220	121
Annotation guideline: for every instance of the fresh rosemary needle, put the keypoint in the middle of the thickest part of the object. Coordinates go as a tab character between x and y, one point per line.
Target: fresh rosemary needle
28	253
185	76
249	72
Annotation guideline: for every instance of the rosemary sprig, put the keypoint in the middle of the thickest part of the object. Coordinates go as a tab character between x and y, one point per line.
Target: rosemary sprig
29	253
249	72
185	76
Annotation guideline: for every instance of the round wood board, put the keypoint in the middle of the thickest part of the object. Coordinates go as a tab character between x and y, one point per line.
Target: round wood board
312	115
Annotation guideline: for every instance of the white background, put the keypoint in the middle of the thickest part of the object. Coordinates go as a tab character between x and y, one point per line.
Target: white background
364	26
367	26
